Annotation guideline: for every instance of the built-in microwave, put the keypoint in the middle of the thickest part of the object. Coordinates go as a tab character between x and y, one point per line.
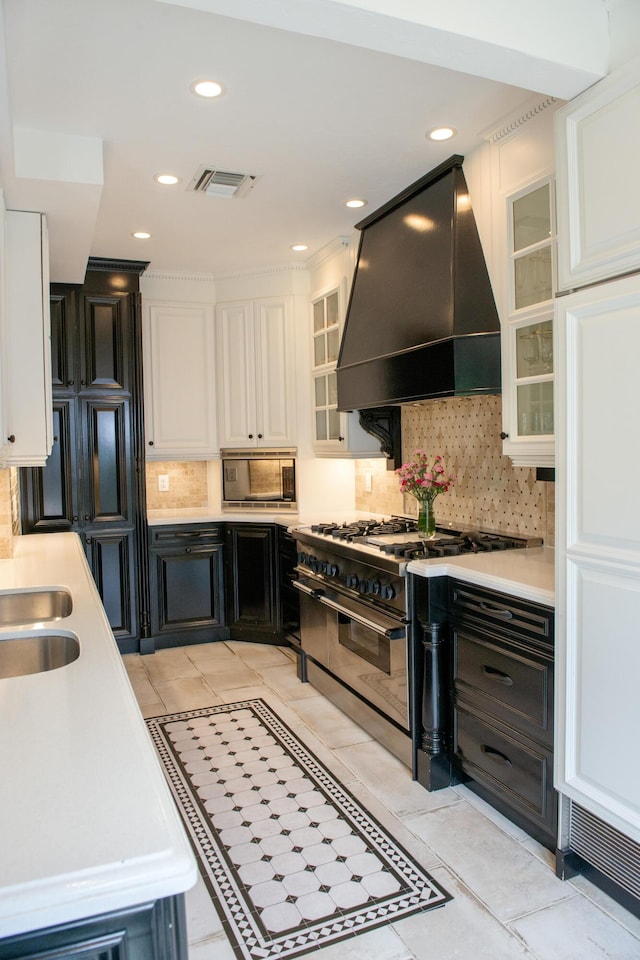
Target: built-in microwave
259	478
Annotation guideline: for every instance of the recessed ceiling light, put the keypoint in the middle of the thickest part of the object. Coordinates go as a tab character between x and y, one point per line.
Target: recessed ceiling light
441	133
207	88
141	235
356	203
299	247
166	178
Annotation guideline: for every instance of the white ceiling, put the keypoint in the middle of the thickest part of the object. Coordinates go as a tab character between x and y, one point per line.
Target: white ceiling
95	100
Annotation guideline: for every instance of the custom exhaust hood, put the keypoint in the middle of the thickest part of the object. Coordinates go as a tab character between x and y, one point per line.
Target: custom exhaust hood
421	320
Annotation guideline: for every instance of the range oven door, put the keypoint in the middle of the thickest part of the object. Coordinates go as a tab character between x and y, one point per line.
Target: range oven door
365	648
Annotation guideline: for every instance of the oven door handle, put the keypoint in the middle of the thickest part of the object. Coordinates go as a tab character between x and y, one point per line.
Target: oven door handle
391	633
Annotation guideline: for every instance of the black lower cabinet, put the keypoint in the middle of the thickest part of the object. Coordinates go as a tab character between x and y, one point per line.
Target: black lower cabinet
289	596
187	585
252	582
152	931
502	697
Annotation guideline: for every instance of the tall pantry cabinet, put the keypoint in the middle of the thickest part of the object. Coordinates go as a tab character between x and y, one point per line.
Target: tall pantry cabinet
93	482
598	523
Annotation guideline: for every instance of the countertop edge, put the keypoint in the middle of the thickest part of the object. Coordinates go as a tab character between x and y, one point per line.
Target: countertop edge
531	572
124	841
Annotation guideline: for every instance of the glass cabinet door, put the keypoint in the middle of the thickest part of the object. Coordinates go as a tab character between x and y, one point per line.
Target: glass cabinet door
326	344
530	328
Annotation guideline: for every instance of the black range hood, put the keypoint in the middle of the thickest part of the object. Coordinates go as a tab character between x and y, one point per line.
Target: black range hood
421	320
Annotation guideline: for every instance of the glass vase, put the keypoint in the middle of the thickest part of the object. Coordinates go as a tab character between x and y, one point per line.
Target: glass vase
426	519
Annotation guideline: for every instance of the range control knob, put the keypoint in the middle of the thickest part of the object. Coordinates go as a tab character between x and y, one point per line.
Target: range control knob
351	581
373	587
387	591
333	570
363	587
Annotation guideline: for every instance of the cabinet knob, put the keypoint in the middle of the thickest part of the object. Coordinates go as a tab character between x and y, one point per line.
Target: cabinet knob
83	383
340	439
187	549
70	383
259	436
503	435
150	443
250	436
74	519
11	438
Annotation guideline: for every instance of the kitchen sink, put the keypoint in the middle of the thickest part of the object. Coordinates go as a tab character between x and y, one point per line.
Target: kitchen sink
26	653
33	606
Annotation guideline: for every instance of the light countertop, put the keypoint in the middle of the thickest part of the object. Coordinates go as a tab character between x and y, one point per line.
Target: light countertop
527	573
206	515
87	822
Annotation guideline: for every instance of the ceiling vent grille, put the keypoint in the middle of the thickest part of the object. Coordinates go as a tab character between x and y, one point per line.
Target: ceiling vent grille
221	183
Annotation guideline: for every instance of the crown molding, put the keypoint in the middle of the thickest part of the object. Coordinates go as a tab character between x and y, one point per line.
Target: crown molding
512	124
231	275
325	253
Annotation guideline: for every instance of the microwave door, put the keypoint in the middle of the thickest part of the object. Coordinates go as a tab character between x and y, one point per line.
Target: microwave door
236	479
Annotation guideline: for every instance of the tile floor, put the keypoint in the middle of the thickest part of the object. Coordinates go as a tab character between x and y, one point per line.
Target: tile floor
508	904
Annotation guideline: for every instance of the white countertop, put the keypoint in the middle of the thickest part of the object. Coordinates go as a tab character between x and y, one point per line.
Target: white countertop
206	515
527	573
87	822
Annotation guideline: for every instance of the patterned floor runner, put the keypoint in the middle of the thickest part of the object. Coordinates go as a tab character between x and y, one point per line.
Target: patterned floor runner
291	859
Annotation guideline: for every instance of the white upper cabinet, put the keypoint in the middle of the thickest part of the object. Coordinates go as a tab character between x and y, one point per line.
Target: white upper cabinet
597	143
179	381
335	434
26	343
256	373
527	334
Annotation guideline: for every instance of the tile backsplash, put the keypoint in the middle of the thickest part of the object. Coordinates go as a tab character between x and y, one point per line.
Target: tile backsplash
9	511
489	491
188	485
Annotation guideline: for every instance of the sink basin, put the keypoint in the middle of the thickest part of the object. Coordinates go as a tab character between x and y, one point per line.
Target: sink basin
36	653
33	606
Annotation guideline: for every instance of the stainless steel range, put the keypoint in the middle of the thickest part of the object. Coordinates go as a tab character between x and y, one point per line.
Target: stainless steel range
355	616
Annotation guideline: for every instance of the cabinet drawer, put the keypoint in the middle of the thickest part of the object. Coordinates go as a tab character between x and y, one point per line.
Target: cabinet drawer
185	534
513	687
516	770
501	612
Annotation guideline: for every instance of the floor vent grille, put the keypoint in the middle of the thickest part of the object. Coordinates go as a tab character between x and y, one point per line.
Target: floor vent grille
221	183
605	848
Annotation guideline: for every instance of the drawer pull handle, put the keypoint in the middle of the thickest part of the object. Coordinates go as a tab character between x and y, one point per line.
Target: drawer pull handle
497	675
496	755
494	611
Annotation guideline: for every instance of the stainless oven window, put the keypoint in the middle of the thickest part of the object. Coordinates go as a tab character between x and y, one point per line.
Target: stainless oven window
365	643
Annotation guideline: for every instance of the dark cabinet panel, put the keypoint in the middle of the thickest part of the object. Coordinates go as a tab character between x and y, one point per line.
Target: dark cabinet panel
187	585
107	460
152	931
112	561
502	696
105	364
63	302
251	579
93	482
49	495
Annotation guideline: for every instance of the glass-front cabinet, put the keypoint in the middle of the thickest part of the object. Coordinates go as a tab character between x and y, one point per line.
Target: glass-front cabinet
528	338
335	434
326	344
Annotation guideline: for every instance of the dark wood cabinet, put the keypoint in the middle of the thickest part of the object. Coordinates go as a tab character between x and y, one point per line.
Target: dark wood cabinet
187	584
289	596
93	482
252	581
502	697
152	931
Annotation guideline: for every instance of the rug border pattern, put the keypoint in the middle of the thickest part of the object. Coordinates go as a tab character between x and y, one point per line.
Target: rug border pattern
240	920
